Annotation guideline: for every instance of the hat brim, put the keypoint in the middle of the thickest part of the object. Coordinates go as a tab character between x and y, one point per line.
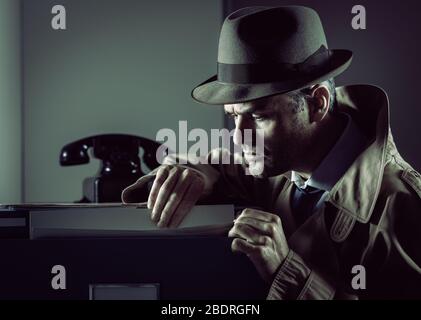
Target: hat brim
215	92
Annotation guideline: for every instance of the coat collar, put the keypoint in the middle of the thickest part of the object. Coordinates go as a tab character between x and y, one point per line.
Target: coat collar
331	169
355	194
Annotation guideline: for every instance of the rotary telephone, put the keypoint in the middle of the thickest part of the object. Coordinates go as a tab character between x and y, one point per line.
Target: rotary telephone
119	166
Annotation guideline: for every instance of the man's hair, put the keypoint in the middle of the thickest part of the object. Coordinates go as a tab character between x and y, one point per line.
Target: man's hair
300	95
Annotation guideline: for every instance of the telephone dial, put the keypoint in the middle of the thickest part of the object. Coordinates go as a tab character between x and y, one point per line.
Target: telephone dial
119	163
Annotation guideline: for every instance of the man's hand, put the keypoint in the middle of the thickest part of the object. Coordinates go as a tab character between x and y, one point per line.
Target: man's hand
174	192
260	236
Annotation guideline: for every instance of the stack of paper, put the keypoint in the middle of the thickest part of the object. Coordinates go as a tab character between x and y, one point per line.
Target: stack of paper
80	220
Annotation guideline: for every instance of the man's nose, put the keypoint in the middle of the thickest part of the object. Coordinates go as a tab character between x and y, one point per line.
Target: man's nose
243	132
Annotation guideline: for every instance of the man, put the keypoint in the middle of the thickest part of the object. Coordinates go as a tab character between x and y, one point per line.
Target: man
340	210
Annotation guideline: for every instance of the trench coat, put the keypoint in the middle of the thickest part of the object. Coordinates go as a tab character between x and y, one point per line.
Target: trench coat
364	242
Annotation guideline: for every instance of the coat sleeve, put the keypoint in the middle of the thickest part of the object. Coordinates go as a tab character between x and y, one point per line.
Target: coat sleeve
294	280
225	176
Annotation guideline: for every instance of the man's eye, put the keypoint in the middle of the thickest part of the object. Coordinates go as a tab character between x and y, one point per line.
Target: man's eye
258	118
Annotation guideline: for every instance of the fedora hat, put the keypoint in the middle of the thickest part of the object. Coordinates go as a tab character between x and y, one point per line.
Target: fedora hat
265	51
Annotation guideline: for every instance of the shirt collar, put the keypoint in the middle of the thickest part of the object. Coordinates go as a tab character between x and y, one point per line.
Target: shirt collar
337	161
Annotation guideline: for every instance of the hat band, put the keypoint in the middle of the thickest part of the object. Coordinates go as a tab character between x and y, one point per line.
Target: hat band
273	72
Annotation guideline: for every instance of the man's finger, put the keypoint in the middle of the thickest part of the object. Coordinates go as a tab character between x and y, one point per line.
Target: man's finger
176	197
161	175
164	193
241	245
267	228
191	196
260	215
249	234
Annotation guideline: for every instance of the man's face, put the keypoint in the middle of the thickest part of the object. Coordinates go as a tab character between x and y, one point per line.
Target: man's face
282	121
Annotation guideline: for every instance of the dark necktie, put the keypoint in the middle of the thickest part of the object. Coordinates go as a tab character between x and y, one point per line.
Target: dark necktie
304	202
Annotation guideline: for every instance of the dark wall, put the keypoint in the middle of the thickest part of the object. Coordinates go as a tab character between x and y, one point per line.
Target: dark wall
385	54
122	66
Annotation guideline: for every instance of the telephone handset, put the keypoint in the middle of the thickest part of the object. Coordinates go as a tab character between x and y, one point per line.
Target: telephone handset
120	163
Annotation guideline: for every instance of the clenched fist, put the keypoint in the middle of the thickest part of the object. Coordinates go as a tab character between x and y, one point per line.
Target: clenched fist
260	236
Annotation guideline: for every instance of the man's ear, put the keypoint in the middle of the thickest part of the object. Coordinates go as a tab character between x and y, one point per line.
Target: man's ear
319	102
